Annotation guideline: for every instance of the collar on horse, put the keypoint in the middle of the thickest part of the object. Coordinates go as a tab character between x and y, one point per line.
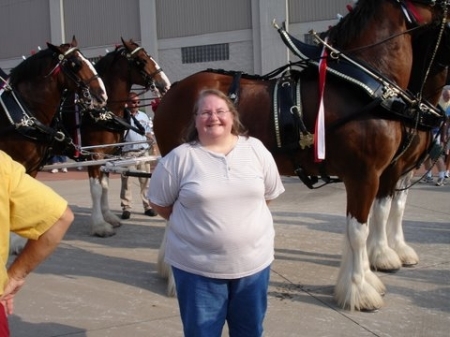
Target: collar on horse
386	93
22	120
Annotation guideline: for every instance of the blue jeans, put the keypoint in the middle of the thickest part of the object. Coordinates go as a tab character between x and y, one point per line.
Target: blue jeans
206	303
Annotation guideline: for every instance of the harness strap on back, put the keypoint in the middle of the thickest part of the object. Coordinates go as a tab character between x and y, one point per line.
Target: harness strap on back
233	91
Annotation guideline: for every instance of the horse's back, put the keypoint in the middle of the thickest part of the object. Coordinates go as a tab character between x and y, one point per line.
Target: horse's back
176	108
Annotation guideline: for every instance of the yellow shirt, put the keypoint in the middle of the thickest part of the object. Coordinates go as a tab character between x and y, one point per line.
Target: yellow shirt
28	207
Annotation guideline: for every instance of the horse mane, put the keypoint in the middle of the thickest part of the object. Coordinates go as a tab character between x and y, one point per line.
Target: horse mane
33	66
110	58
351	25
106	61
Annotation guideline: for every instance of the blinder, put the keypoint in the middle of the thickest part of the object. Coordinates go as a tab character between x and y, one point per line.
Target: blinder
72	65
140	64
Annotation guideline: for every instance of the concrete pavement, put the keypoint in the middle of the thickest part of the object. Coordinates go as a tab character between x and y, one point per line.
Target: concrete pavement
98	287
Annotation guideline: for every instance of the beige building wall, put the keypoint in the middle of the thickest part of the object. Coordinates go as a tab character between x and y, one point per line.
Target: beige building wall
163	28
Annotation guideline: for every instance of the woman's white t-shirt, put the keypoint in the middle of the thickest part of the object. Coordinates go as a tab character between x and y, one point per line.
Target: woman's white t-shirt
220	226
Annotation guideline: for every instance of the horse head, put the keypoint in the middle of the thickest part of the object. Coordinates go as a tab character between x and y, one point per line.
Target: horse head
76	73
364	36
146	67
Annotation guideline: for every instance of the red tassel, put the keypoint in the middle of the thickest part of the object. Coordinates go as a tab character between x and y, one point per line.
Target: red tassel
155	103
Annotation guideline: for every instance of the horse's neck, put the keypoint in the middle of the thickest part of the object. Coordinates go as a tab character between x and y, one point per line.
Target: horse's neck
117	96
376	46
41	98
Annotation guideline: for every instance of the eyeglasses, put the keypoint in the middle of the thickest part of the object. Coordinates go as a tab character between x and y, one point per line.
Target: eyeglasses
135	102
208	113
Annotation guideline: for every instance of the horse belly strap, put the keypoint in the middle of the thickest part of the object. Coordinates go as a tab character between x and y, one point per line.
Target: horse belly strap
289	126
233	91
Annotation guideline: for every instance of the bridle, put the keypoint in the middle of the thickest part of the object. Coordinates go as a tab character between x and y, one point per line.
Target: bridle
70	64
413	20
134	60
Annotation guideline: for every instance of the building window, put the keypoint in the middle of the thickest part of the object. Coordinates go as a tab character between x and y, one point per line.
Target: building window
208	53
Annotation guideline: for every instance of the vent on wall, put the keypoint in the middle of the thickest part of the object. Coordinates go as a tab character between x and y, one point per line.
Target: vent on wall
207	53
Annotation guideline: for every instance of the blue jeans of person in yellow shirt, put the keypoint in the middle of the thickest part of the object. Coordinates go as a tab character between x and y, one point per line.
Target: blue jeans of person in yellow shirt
207	303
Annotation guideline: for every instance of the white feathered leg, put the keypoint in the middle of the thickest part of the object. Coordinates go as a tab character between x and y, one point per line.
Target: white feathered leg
395	236
357	286
99	227
109	216
381	256
16	243
164	269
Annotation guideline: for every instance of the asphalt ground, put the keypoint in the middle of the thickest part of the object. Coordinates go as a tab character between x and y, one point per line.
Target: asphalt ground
98	287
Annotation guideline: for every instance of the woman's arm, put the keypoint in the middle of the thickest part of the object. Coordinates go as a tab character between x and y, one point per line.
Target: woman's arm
162	211
33	254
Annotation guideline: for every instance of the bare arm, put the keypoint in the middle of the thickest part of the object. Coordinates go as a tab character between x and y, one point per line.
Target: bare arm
34	252
163	211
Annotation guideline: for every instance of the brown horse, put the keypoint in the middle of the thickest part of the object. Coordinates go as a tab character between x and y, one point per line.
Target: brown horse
128	65
362	138
31	97
386	244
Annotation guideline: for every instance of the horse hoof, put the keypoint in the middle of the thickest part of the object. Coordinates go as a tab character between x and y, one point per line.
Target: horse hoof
387	271
104	231
104	234
16	245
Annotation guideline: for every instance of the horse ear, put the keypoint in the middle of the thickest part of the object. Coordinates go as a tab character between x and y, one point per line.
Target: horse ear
53	47
127	45
74	42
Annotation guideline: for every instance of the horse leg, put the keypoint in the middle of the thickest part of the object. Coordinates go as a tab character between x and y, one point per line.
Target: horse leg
109	216
164	269
99	227
381	256
396	239
16	243
357	287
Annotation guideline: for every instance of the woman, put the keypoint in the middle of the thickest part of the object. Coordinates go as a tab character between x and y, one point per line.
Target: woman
214	190
34	211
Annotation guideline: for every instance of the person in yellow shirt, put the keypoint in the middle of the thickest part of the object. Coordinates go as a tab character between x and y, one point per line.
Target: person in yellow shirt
31	210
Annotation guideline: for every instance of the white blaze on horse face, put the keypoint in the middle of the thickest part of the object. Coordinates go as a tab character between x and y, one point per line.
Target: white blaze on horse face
104	96
163	75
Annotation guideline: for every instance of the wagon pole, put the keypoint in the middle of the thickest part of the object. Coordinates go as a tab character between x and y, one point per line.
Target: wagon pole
115	144
140	98
121	166
78	164
84	151
111	163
